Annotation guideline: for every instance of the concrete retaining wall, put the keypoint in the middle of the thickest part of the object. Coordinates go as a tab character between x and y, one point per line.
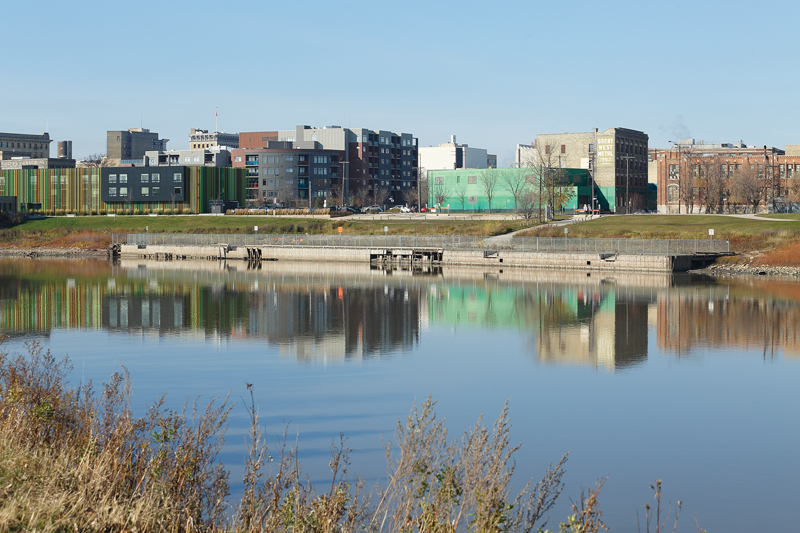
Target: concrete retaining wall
500	259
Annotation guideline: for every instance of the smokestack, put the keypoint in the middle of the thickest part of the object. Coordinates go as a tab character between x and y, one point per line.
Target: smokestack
65	149
453	139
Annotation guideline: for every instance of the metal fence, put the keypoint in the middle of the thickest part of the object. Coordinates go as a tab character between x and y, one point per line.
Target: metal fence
445	242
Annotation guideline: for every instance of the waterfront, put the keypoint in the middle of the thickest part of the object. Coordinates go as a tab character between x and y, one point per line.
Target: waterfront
640	376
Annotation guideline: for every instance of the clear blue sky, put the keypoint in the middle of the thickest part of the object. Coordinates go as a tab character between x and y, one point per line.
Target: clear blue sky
493	73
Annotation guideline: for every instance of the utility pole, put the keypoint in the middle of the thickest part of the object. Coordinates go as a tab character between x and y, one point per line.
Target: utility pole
680	160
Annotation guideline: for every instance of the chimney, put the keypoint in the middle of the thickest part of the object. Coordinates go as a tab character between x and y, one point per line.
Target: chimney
453	139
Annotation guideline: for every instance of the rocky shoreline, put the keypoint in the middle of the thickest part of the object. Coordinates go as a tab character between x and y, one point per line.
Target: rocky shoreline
52	252
748	270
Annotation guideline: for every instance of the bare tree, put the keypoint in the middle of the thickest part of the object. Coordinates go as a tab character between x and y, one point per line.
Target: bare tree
515	182
489	180
713	184
129	201
746	187
461	194
411	196
362	195
423	187
528	203
97	161
441	190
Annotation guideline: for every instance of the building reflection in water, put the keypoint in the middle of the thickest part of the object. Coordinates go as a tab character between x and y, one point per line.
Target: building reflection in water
349	312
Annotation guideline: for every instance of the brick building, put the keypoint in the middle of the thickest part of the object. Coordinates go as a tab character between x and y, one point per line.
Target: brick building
694	177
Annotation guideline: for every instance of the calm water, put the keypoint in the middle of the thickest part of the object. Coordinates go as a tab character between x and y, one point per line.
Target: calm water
641	377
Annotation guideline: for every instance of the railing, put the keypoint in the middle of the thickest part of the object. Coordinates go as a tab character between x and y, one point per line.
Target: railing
516	244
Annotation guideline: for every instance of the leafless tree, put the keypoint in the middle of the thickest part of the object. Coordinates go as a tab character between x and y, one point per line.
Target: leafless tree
411	196
515	182
129	201
423	187
488	180
97	161
528	202
746	187
461	194
713	185
362	195
441	190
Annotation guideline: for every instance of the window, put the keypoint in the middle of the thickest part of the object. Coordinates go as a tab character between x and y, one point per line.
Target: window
155	178
672	193
547	149
238	159
145	191
289	181
112	178
673	172
563	148
438	180
289	158
289	170
123	178
197	159
177	178
155	191
112	191
187	159
123	191
177	191
145	178
472	179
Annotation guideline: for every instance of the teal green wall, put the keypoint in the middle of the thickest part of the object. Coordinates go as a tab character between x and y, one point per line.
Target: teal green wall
503	200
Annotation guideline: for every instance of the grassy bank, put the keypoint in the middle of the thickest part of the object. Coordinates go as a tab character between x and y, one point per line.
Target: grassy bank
95	232
79	460
771	241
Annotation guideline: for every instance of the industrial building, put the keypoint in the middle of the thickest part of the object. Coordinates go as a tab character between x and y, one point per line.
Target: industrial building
451	156
617	159
465	190
695	177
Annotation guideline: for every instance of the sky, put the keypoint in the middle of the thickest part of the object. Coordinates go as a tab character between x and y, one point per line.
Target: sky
495	74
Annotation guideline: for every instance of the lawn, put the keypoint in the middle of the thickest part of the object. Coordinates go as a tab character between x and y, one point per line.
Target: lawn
744	234
95	231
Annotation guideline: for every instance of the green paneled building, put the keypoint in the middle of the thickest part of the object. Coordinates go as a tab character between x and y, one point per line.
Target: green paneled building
86	191
465	190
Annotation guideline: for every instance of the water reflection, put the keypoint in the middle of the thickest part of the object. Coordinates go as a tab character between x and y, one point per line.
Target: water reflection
349	312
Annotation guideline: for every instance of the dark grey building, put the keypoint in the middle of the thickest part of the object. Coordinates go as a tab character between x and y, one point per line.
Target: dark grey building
132	144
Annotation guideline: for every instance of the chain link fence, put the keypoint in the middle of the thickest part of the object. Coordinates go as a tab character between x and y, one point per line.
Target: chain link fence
443	242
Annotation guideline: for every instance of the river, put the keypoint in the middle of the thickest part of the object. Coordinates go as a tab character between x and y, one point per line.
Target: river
640	377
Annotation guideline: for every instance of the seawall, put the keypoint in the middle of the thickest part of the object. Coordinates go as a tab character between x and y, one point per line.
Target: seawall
415	257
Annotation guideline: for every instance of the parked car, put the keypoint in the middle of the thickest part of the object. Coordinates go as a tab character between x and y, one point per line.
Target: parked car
373	209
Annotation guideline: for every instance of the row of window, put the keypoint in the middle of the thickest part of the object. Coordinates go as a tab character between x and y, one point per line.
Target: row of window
273	170
32	146
143	178
253	159
143	191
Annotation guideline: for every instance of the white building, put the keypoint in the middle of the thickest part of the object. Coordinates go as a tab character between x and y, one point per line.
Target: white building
450	156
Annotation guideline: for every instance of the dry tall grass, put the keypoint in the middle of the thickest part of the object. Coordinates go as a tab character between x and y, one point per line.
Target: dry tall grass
79	460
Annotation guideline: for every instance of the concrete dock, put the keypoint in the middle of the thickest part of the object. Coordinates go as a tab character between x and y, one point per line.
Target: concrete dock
419	257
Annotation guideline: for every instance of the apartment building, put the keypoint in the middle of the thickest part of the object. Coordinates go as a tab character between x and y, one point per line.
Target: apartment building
216	156
281	174
368	160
